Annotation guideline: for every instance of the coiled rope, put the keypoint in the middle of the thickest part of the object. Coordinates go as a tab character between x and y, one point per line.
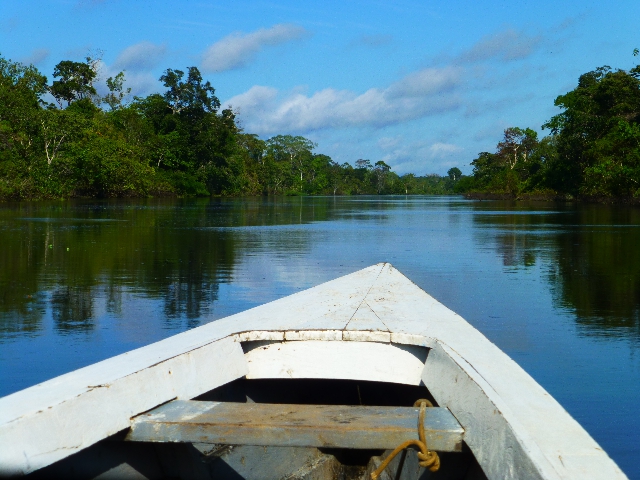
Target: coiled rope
428	459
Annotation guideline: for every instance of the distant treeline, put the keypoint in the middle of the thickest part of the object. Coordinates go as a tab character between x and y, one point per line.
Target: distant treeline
592	153
176	143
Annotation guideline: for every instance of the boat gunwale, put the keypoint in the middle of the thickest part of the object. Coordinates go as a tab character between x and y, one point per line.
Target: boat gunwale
559	449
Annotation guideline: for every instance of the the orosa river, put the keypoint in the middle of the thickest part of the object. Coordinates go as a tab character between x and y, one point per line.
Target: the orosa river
556	286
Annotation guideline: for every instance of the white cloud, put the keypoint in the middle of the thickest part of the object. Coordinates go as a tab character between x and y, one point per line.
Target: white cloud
386	143
467	86
36	57
506	46
419	94
236	50
426	82
439	150
141	56
254	100
421	156
140	83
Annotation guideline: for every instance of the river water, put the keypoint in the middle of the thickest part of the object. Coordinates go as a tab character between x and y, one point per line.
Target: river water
556	286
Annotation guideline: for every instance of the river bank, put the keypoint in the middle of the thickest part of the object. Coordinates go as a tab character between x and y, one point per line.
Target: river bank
549	197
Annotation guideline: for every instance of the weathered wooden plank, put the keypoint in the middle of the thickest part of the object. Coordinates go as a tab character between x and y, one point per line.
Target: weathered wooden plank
57	418
34	441
50	421
295	425
558	446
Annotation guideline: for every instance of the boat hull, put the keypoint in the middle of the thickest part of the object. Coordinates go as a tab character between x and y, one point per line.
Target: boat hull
374	325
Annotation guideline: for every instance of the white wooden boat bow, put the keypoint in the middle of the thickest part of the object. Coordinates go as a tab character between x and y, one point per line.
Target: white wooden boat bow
373	325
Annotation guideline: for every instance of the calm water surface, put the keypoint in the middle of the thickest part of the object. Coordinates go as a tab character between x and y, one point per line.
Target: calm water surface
556	286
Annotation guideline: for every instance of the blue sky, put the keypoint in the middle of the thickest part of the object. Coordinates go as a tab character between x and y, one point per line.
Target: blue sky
422	85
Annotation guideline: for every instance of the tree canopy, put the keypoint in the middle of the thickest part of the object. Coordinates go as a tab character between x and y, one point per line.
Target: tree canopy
75	81
175	142
592	152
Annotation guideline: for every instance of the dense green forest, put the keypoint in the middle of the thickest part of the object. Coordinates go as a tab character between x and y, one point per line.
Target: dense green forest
62	139
591	153
179	143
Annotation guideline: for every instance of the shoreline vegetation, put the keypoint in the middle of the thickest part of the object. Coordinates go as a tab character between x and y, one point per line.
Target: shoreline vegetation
591	155
550	197
65	140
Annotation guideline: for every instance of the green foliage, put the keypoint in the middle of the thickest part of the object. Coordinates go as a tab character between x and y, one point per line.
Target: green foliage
17	74
597	135
454	173
190	97
75	81
180	143
464	185
410	184
593	150
177	142
20	90
117	92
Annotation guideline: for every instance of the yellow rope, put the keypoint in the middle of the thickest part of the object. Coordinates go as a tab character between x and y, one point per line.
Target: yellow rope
428	459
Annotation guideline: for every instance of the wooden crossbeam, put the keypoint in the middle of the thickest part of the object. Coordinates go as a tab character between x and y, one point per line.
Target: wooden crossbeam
331	426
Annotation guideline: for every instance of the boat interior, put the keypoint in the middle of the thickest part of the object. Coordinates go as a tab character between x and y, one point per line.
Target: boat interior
181	455
365	376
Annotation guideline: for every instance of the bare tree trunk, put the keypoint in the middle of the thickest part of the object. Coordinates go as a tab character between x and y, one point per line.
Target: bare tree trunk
51	145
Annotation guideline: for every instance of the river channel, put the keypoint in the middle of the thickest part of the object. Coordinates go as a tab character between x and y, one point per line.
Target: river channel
555	286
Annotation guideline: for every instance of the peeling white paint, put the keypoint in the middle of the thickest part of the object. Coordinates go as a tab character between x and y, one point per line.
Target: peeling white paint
353	360
33	441
256	335
374	324
325	335
410	339
366	336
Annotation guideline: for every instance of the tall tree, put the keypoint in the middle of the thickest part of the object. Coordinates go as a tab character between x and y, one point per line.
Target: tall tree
381	170
364	164
58	128
117	92
598	135
454	173
191	96
298	150
75	81
21	89
336	176
409	182
516	145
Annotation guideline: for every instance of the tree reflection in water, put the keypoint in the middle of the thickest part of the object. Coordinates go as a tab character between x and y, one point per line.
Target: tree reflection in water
589	254
72	309
64	256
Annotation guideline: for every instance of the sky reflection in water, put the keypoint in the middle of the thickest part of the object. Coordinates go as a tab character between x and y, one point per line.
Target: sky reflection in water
555	286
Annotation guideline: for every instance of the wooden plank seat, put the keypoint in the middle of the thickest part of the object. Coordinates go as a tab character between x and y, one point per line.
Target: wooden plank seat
356	427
